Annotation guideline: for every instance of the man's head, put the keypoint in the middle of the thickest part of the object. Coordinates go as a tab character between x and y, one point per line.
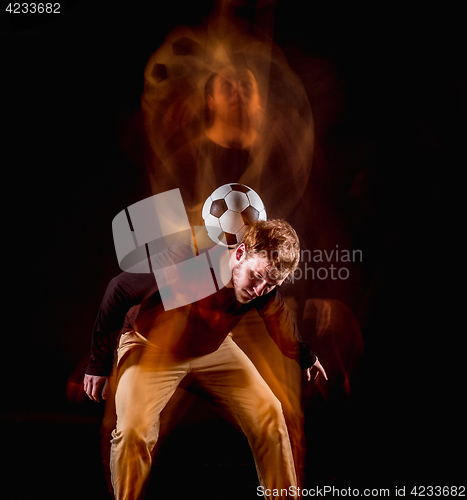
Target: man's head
232	96
268	255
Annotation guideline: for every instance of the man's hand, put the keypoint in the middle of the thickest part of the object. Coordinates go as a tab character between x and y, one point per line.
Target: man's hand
93	385
317	368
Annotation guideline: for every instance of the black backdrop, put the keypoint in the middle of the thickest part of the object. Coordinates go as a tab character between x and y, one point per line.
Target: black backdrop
389	94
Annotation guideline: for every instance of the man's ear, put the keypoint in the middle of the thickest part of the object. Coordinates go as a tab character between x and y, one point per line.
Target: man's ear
210	102
240	252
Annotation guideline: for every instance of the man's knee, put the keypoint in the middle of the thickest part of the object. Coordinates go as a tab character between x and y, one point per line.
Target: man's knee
136	437
269	417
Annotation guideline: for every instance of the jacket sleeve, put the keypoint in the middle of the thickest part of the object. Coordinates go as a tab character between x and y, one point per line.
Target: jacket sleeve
283	330
123	292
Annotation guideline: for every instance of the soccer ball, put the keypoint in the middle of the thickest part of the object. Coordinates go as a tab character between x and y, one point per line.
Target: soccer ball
228	212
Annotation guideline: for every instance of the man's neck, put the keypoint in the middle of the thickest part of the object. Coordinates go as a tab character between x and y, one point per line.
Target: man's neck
231	137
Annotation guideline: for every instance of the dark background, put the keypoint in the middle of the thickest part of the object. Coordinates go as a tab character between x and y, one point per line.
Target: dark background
387	90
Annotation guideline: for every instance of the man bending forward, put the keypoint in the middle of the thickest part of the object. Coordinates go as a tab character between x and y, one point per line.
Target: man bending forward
164	346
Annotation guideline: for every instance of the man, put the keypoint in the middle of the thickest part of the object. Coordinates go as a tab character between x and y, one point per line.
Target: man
165	346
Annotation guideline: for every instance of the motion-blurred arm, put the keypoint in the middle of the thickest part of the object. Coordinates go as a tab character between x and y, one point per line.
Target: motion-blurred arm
283	330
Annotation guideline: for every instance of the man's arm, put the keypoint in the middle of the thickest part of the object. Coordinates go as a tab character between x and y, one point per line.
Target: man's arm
123	292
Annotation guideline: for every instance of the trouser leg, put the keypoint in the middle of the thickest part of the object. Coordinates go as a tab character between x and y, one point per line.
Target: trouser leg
146	381
235	384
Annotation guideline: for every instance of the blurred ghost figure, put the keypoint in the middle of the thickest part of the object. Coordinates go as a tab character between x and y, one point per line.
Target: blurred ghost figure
333	330
220	105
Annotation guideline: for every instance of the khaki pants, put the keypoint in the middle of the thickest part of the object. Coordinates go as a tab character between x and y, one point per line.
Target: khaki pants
146	380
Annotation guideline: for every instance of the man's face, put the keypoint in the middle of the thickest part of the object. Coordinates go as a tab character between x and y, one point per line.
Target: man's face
251	277
235	96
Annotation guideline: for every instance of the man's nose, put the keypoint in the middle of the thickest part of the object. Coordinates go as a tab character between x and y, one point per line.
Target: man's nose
237	88
259	289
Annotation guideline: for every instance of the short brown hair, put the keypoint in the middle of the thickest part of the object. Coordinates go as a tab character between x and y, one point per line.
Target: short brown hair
276	240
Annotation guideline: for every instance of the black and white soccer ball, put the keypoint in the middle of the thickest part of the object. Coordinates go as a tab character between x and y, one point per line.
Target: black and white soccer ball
228	212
